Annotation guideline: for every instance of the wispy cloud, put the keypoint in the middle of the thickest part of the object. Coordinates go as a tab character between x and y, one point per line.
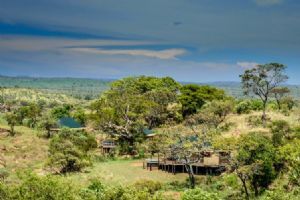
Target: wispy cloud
36	43
268	2
160	54
247	65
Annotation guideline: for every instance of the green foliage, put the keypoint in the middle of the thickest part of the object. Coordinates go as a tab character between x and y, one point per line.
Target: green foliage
193	97
61	111
199	194
256	105
30	112
133	104
288	103
80	116
3	174
213	114
68	151
290	153
256	161
262	80
244	107
280	130
47	123
254	121
148	185
40	188
12	121
76	87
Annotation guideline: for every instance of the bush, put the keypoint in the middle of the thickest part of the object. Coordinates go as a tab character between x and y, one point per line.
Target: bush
3	174
254	121
68	151
256	105
280	130
148	185
42	188
244	107
199	194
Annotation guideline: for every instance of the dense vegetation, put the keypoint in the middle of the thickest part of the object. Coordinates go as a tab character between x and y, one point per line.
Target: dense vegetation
42	159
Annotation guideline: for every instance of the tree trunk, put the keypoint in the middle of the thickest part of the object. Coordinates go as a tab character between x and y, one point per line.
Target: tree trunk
278	101
12	130
190	171
244	183
264	115
255	187
245	189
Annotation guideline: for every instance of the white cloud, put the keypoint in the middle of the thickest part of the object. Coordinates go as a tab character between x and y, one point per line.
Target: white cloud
161	54
247	65
36	43
268	2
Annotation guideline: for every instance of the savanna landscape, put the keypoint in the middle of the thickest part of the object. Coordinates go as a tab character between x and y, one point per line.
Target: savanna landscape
149	100
43	157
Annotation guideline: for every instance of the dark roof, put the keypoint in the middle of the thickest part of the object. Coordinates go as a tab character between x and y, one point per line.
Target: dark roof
68	122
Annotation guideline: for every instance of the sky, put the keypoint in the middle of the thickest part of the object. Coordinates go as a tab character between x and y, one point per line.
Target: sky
189	40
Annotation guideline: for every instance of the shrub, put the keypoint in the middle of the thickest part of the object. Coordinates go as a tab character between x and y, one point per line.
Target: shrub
3	174
254	121
42	188
256	105
244	107
148	185
280	129
68	151
199	194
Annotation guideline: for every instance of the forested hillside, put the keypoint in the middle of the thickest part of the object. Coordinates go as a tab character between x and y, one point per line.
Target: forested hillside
91	88
76	87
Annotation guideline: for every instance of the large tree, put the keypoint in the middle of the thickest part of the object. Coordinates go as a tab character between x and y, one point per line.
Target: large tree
133	104
193	97
262	80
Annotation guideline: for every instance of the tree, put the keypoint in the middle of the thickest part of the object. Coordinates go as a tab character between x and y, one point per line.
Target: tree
279	93
185	143
214	113
12	121
61	111
133	104
193	97
68	150
80	116
31	112
262	80
47	123
255	162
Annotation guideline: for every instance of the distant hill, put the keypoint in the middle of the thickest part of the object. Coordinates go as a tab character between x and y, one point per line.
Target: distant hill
235	88
92	88
77	87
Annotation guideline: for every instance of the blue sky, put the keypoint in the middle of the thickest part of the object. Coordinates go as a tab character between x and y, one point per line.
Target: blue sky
190	40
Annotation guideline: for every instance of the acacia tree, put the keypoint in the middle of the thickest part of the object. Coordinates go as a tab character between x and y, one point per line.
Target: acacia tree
185	143
261	80
279	93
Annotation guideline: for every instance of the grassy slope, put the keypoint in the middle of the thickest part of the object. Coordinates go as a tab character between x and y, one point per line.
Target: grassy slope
27	151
